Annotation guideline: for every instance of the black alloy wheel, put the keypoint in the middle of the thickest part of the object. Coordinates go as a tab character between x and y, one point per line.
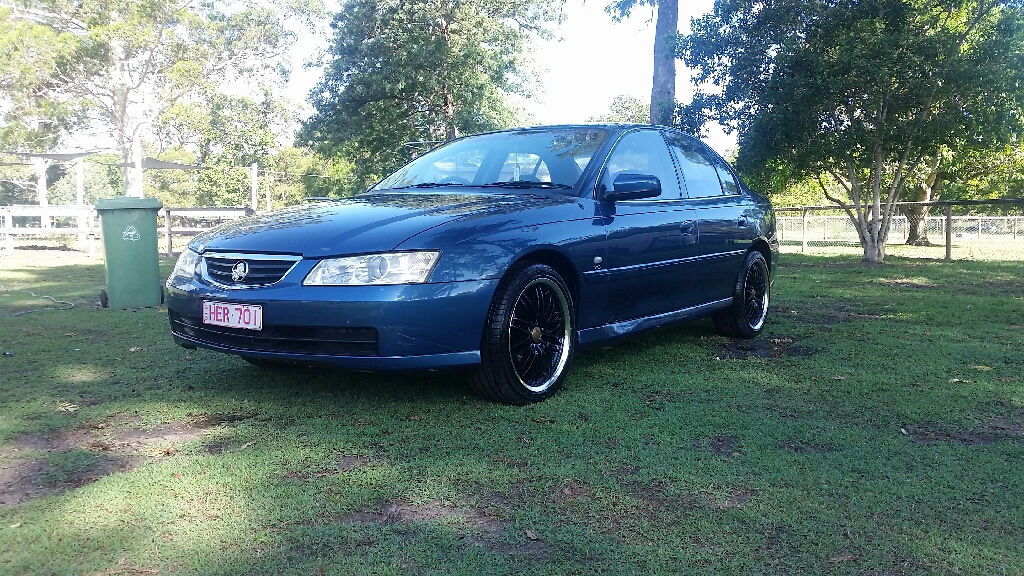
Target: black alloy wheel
529	338
746	316
755	296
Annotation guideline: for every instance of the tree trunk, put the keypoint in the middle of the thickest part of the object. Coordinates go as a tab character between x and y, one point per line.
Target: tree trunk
451	131
874	252
118	111
917	224
663	89
917	216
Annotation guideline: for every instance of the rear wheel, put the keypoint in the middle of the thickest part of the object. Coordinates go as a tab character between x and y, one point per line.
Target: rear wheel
528	339
746	316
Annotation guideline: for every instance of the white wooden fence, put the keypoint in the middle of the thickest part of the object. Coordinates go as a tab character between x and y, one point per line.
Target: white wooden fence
52	221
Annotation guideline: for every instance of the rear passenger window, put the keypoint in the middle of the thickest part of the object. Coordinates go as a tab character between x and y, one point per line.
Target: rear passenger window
700	178
728	180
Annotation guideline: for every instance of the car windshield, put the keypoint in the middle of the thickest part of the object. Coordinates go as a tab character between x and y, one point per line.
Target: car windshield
527	159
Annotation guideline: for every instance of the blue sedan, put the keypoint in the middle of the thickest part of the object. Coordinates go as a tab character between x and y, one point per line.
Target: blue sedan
500	252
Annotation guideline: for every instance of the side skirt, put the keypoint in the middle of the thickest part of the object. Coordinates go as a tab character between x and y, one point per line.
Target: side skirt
591	336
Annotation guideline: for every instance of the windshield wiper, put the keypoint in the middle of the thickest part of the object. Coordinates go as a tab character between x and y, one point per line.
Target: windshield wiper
429	185
529	184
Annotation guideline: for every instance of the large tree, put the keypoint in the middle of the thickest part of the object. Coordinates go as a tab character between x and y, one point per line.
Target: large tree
625	108
124	63
405	71
666	31
861	93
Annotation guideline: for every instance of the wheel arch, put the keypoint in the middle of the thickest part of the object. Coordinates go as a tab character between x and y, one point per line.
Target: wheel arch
760	245
560	263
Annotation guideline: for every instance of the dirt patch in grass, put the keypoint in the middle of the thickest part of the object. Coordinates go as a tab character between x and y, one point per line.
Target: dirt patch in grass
723	446
737	499
762	348
994	431
214	420
507	460
905	283
573	489
822	315
656	499
483	531
78	457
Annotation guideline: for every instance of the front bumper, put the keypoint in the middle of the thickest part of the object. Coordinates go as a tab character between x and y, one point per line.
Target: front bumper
406	327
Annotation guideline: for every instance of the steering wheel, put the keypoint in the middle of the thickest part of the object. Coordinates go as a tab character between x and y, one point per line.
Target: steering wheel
455	180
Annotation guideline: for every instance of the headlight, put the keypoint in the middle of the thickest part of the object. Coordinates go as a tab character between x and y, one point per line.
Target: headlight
186	267
389	268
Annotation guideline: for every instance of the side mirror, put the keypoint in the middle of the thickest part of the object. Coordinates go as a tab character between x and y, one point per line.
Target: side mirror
633	187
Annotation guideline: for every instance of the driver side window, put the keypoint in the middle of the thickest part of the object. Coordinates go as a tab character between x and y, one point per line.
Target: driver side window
643	152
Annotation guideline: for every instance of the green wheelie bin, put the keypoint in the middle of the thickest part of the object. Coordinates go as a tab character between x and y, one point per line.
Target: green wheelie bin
130	252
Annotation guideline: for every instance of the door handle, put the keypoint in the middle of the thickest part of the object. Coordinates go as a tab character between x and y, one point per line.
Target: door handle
688	228
742	222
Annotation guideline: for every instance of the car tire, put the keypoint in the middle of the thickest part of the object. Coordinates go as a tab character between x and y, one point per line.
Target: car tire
529	338
745	317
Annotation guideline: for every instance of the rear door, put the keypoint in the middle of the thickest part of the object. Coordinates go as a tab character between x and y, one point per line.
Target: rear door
724	230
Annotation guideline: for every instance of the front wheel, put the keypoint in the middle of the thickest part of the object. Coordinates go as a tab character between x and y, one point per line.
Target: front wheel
746	316
528	339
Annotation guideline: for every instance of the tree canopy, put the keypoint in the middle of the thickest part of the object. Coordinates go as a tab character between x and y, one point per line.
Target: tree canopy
125	69
420	71
861	93
625	108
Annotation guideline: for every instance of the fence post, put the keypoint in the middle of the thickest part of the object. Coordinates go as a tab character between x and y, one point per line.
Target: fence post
824	229
168	242
91	220
803	237
269	207
979	227
8	226
1014	227
80	197
254	183
949	232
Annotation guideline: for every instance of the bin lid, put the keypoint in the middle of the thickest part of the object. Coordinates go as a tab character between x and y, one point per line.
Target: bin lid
128	202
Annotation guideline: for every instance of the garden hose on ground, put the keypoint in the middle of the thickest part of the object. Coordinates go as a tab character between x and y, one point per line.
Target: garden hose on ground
34	295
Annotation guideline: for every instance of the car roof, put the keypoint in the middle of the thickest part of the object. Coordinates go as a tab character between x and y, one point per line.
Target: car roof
612	126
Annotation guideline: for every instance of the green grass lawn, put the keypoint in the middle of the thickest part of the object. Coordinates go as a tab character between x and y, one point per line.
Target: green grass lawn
876	427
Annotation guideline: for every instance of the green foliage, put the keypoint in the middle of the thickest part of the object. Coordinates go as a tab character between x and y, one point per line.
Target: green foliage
101	180
416	71
625	108
34	113
128	64
862	91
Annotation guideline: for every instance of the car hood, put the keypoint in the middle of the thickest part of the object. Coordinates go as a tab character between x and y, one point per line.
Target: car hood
367	223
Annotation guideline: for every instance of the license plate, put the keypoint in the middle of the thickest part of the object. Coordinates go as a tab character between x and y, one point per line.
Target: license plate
233	315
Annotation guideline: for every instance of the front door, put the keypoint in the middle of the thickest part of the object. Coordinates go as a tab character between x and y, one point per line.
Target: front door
651	243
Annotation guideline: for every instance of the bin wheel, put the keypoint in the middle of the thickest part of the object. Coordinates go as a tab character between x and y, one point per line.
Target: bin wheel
103	298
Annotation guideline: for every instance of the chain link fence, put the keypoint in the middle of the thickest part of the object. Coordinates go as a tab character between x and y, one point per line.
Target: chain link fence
955	230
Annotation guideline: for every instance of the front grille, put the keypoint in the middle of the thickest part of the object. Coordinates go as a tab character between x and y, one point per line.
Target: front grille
287	339
261	270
